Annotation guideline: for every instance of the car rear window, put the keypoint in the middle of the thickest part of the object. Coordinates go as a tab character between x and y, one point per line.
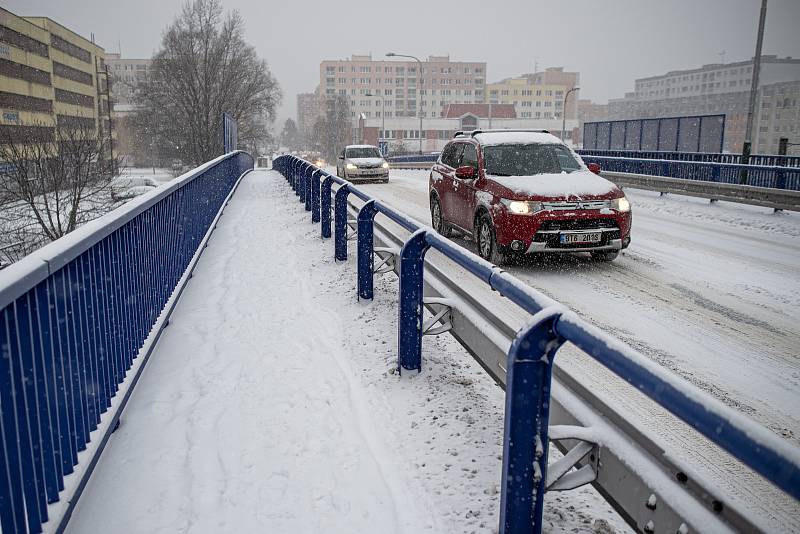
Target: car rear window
363	152
528	159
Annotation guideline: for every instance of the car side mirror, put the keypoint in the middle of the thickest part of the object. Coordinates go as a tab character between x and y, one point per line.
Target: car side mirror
594	167
465	173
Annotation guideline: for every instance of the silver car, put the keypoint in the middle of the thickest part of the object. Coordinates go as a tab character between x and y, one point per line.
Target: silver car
362	163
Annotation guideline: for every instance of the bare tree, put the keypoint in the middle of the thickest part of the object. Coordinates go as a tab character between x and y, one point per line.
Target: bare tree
332	130
204	68
290	137
53	179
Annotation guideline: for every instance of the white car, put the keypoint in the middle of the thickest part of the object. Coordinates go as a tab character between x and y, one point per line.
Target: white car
127	187
362	163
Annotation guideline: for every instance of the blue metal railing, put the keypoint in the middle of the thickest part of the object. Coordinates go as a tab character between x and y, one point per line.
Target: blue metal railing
726	173
769	160
73	318
530	358
759	172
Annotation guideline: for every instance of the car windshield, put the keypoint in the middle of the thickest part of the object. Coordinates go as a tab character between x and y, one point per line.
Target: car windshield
528	159
363	152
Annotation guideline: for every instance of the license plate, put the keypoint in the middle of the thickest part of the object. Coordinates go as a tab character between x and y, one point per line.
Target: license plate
592	237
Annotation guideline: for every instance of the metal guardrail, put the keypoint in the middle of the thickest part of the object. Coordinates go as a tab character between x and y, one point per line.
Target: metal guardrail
770	160
778	199
726	173
78	319
528	372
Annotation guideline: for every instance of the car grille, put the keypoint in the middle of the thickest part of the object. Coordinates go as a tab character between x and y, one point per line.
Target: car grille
369	166
577	205
578	224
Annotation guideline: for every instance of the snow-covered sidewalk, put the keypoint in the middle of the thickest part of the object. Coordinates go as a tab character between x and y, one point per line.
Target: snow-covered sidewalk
271	405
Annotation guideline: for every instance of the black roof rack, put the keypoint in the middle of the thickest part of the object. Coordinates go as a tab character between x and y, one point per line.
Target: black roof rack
473	133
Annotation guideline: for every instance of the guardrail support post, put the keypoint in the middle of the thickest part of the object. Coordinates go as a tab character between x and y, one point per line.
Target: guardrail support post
315	196
410	314
325	206
527	413
309	178
301	184
366	255
340	223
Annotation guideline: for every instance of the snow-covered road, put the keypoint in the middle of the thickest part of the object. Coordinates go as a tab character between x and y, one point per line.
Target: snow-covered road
711	292
271	405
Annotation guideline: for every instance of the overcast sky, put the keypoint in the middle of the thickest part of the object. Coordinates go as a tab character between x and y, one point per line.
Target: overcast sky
610	42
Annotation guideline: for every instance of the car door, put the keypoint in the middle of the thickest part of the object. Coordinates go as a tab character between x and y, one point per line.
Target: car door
463	198
448	171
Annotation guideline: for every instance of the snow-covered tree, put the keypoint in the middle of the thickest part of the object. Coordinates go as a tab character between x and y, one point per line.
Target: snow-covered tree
204	69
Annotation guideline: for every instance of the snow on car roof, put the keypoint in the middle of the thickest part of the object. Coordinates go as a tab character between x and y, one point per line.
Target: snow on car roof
505	138
361	146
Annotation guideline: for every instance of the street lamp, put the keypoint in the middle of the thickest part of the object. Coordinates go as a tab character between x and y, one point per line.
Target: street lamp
564	112
419	100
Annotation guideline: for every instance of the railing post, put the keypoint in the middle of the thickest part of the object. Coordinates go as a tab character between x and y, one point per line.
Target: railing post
295	175
325	206
366	258
527	413
301	185
410	314
780	178
340	223
310	170
315	196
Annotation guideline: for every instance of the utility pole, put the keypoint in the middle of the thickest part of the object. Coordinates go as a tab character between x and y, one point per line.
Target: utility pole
748	133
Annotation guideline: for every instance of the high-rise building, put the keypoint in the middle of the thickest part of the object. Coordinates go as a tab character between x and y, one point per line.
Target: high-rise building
538	95
720	88
50	75
395	88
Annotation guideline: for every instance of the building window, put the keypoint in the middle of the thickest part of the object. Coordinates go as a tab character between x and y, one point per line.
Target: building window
24	72
70	49
75	75
22	41
69	97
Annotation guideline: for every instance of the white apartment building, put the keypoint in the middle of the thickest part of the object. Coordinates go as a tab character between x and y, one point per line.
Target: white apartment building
126	73
389	88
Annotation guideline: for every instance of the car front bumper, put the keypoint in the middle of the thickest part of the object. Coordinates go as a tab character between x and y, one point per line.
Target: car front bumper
532	234
365	176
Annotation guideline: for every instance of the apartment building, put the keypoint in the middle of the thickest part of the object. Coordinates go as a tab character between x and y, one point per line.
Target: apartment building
126	74
777	116
537	95
710	89
404	131
398	88
49	75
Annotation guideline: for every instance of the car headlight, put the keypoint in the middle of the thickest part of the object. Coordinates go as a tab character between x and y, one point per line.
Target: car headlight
621	204
351	167
522	207
385	165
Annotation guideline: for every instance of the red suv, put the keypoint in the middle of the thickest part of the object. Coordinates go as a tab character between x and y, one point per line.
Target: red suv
520	192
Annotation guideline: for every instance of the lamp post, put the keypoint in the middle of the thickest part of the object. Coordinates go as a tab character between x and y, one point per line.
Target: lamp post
564	111
419	100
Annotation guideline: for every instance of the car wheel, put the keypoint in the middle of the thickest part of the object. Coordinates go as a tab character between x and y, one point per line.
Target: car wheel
487	242
437	218
605	256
